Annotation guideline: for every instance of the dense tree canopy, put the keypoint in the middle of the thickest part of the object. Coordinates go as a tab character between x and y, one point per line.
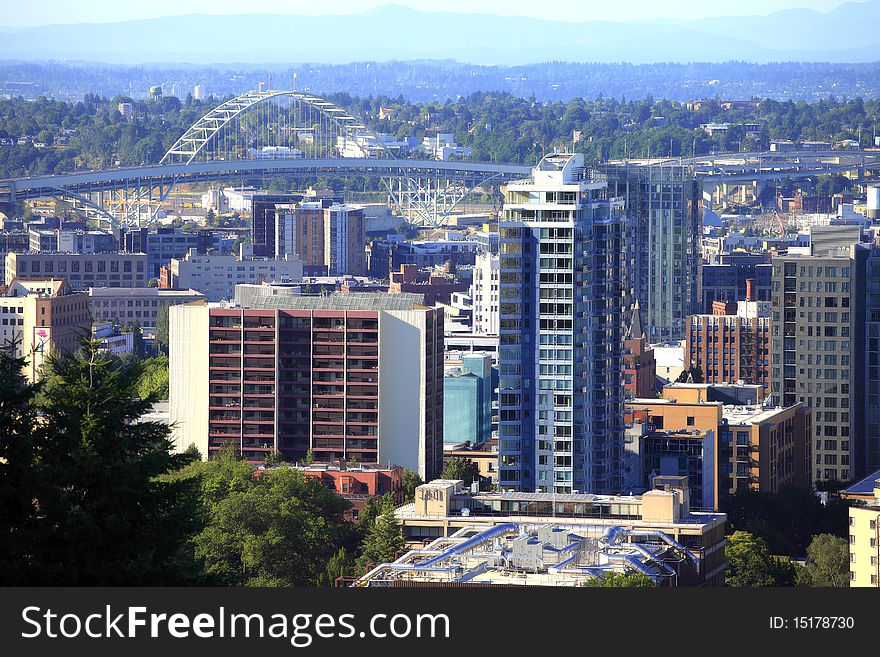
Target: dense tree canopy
98	510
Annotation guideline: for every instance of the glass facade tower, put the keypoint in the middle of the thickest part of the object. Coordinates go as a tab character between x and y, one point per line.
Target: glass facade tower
561	336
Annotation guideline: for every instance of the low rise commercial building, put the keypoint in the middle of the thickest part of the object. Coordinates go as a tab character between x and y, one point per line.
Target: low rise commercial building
139	305
443	507
524	554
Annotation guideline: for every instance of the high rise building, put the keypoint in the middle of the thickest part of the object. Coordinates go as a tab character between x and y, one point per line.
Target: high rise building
345	375
663	225
817	356
484	293
345	240
299	231
561	337
263	221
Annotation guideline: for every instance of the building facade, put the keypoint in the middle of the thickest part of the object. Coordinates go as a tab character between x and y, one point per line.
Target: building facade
818	324
81	270
728	348
467	400
299	233
216	276
864	541
663	227
561	332
136	305
345	375
345	240
484	293
41	316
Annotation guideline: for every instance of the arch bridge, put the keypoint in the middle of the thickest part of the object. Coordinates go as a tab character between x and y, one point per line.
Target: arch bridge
264	134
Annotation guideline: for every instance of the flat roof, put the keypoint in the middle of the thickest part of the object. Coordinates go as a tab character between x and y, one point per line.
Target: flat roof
750	414
341	301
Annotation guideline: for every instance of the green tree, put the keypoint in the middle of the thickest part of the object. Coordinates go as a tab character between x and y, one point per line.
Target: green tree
107	515
460	468
341	564
384	539
310	457
827	562
280	530
749	562
621	580
154	379
162	329
19	433
411	481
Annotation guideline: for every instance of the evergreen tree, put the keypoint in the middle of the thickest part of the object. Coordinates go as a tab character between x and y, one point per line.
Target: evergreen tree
340	565
411	481
383	541
107	517
19	433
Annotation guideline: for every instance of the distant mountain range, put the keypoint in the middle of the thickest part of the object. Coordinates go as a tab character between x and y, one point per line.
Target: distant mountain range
392	32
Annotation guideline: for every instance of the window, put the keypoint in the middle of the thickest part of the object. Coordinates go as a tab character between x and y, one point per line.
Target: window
690	420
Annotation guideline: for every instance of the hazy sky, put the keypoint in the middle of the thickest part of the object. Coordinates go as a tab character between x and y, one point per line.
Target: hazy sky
44	12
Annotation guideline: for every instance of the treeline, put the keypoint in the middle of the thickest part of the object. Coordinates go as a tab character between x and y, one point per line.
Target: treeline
92	494
427	80
499	127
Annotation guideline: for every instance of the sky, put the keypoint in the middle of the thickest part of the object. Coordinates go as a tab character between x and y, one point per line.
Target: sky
45	12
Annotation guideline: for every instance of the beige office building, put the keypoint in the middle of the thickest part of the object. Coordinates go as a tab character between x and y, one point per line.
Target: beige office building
814	351
39	317
864	541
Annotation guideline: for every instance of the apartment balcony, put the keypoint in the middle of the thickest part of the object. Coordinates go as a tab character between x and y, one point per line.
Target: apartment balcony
325	338
259	350
362	390
361	431
258	337
326	364
363	365
323	417
328	390
224	418
319	444
220	390
362	377
360	351
363	404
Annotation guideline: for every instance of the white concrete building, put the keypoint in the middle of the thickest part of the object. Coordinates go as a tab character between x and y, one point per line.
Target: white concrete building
216	276
484	294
